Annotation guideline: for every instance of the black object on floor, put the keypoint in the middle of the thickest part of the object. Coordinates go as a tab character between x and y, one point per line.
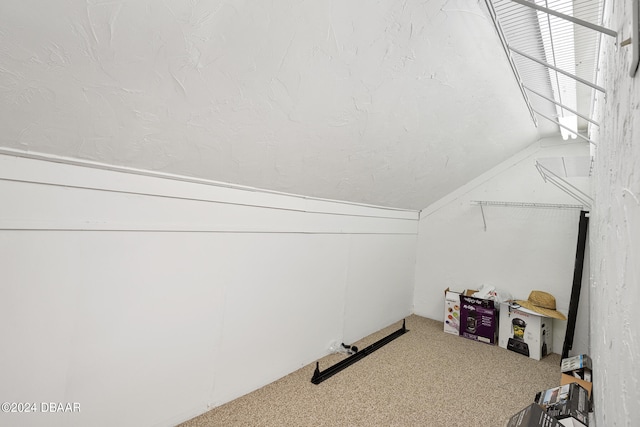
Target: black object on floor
319	376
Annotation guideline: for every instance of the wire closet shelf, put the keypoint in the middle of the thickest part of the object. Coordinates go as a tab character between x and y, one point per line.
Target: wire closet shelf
553	48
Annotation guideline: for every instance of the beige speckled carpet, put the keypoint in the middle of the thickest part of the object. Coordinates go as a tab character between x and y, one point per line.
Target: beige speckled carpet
423	378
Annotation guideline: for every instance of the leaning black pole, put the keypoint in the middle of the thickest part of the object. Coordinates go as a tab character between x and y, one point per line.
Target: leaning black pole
319	376
577	284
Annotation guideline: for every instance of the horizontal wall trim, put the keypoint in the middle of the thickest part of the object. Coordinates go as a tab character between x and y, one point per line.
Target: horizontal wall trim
42	195
125	230
412	214
195	199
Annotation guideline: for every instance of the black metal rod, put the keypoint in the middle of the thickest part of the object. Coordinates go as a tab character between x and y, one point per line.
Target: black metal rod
319	376
577	284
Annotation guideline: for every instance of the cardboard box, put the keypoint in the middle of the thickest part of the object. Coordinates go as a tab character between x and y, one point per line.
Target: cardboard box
577	366
568	379
452	309
452	312
478	319
524	331
532	416
566	401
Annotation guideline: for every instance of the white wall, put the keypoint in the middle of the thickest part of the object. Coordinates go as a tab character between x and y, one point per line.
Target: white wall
522	248
149	300
615	232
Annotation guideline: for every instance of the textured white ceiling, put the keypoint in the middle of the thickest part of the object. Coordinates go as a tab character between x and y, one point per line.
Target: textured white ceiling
392	103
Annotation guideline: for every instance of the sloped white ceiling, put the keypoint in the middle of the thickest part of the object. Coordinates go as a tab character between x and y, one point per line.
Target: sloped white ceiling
392	103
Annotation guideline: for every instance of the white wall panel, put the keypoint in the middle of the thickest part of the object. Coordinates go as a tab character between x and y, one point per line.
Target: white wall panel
150	317
374	261
38	305
289	301
126	320
149	300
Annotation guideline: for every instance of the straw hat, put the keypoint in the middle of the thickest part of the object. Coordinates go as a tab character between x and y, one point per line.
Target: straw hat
543	303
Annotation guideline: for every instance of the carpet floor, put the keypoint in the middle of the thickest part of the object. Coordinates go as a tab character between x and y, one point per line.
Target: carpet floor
423	378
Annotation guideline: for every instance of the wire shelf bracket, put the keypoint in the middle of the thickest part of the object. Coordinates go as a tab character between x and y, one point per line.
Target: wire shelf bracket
565	186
